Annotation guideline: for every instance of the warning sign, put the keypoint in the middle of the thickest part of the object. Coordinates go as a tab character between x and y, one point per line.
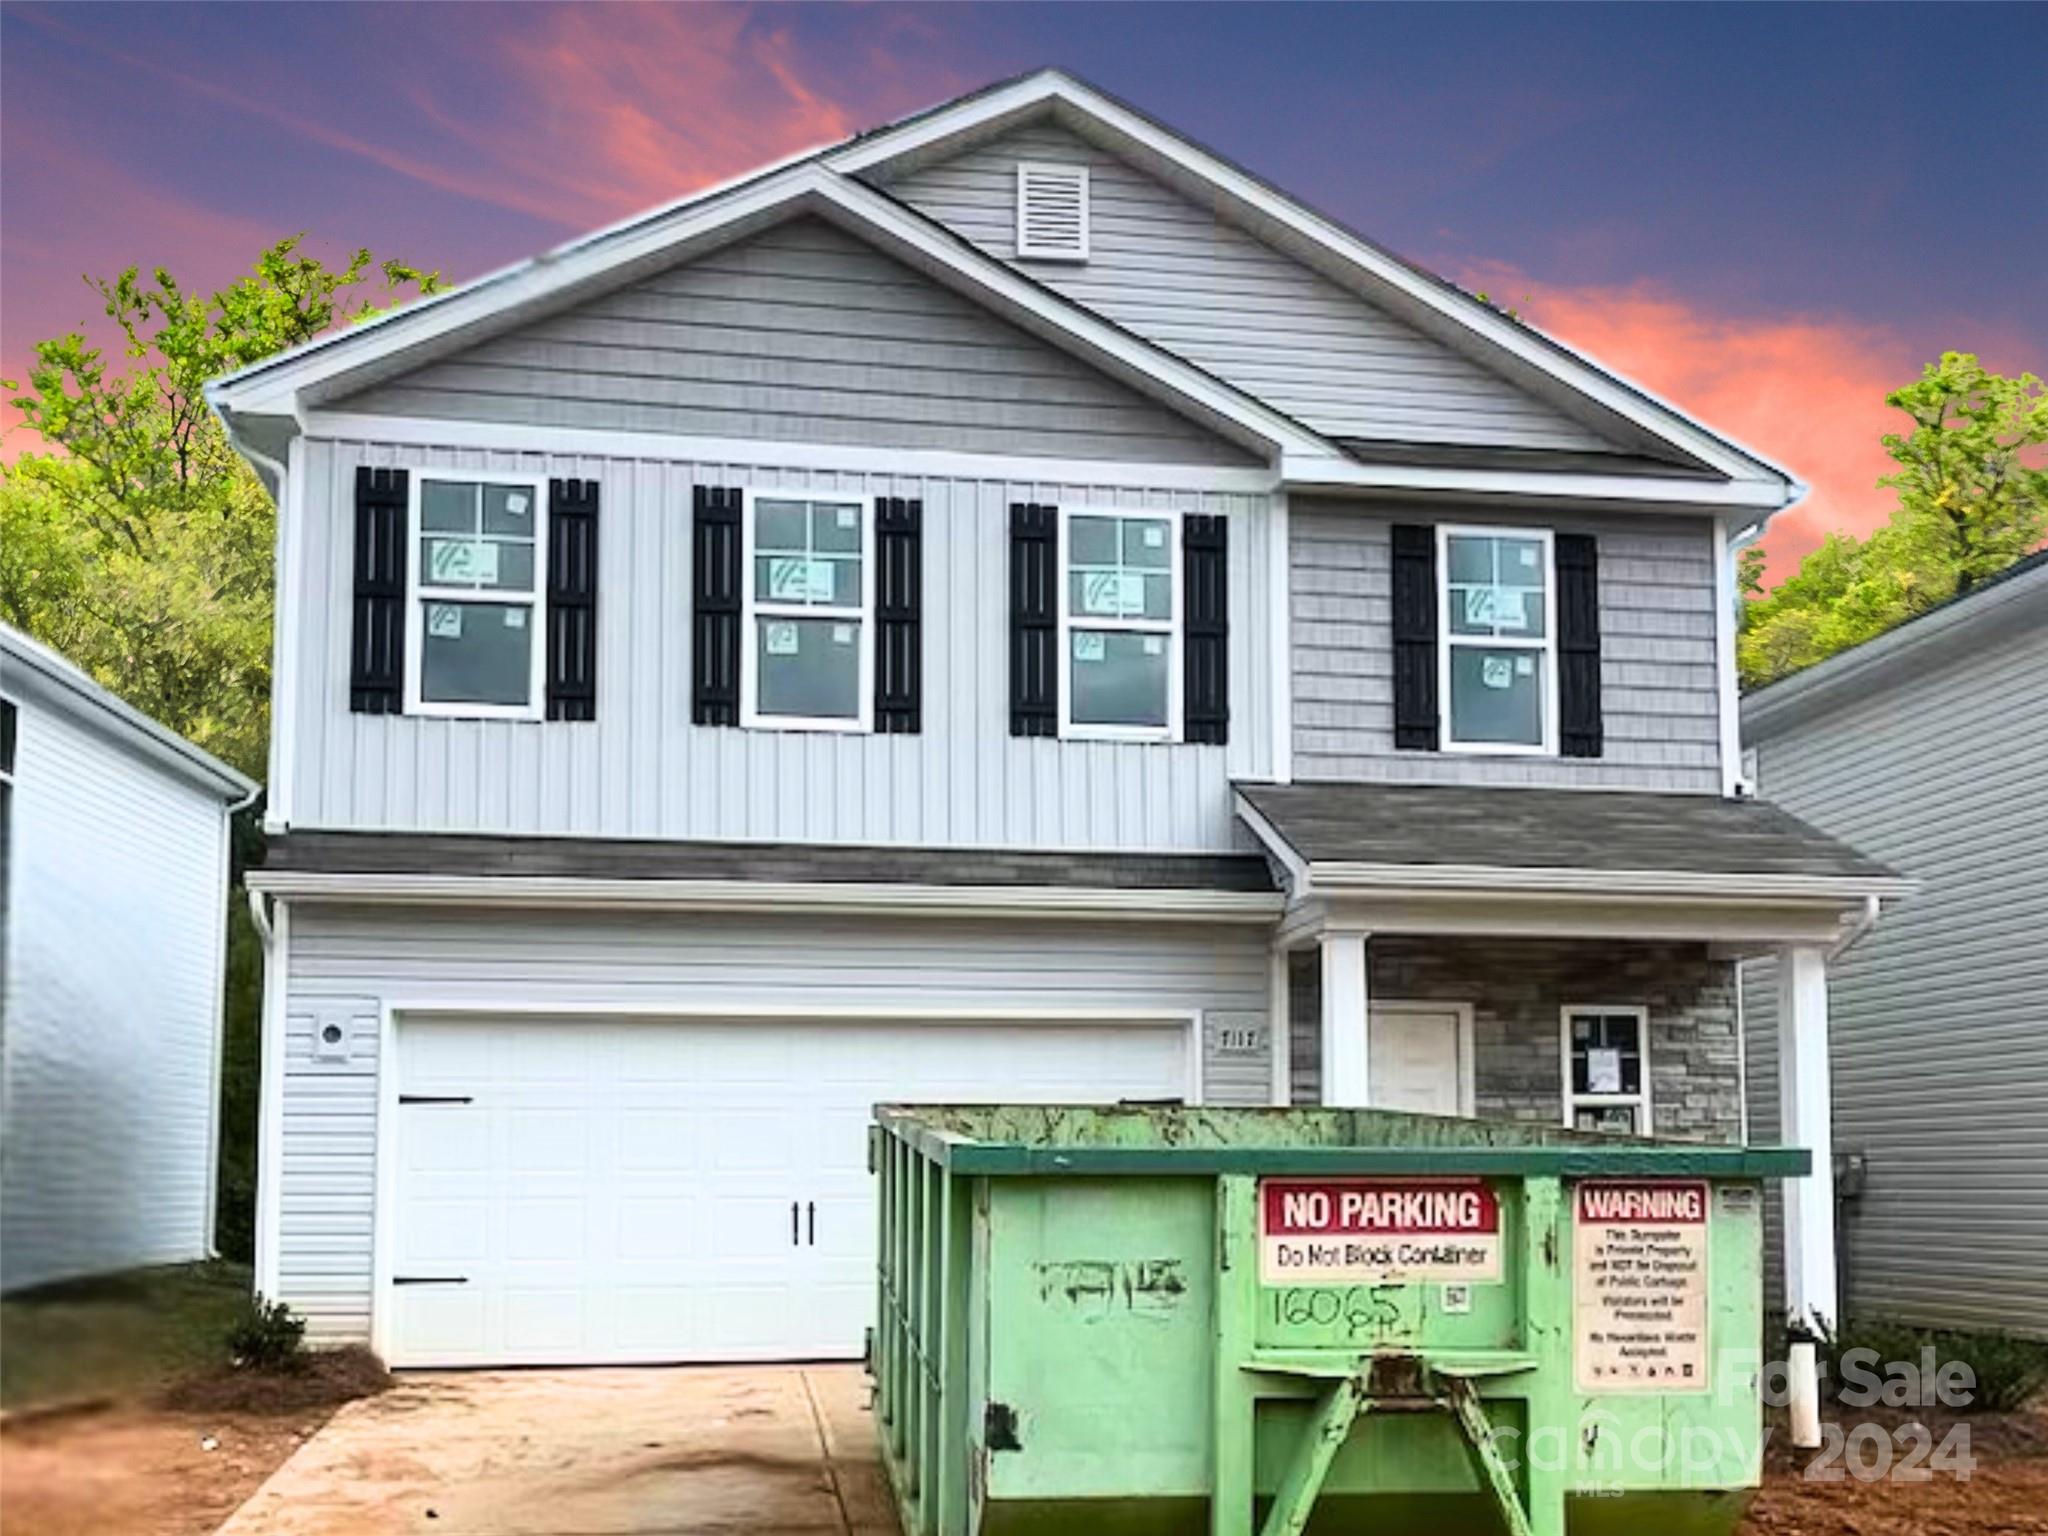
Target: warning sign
1639	1287
1377	1231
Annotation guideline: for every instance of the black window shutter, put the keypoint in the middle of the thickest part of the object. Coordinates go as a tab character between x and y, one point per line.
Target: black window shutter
376	675
1034	620
1205	622
715	607
899	601
1415	638
572	599
1578	645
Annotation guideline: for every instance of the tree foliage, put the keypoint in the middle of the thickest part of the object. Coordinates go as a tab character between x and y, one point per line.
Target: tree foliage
140	546
1973	498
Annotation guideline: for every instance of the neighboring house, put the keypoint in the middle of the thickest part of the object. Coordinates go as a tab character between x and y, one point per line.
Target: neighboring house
113	933
1929	747
1007	607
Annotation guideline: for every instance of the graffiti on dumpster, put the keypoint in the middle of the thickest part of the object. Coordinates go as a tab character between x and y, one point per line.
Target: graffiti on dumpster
1105	1285
1363	1313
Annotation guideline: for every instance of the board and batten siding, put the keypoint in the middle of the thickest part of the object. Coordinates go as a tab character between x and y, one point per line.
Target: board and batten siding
117	871
1173	272
348	964
1938	1017
1659	698
641	769
799	334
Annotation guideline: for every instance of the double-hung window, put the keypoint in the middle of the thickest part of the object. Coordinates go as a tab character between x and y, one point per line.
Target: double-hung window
1498	661
1120	626
807	659
475	606
1607	1070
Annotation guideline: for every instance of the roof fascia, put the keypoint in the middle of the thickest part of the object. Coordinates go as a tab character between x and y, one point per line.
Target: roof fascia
1751	500
1423	293
1851	674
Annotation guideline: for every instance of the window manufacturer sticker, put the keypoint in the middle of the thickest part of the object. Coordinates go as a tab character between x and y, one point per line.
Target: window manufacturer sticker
444	621
462	562
1089	646
780	639
849	517
1497	672
1155	645
842	634
515	503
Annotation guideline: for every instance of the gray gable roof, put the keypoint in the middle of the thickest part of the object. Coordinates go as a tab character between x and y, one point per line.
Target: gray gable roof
1599	830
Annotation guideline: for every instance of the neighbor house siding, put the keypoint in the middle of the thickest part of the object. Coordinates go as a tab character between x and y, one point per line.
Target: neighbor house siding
1173	272
117	873
1518	989
800	334
347	965
1659	698
1938	1018
641	769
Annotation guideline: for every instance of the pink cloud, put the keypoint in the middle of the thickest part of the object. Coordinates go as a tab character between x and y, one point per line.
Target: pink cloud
1805	391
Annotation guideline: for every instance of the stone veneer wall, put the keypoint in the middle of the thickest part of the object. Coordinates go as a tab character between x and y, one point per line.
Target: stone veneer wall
1517	988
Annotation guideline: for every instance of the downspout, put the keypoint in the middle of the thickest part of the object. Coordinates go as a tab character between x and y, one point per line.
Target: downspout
1865	921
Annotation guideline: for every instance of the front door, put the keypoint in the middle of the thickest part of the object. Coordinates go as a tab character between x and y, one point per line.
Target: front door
1417	1060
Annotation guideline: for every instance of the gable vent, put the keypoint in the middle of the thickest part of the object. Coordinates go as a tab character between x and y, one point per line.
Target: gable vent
1052	212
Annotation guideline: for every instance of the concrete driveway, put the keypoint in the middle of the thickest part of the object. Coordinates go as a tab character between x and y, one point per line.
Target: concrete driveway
651	1452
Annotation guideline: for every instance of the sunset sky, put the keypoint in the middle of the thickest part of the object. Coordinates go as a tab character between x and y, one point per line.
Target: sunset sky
1768	214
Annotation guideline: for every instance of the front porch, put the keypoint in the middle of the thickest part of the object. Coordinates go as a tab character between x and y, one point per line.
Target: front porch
1563	957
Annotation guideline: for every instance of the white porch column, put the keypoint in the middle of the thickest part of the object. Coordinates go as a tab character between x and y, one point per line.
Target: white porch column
1805	1119
1346	1075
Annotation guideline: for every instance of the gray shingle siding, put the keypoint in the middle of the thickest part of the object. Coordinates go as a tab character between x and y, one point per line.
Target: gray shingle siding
1170	270
1517	989
1939	1017
1657	654
799	334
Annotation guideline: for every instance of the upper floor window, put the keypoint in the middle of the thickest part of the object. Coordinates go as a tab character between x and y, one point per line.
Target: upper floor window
475	604
1498	678
807	658
1120	621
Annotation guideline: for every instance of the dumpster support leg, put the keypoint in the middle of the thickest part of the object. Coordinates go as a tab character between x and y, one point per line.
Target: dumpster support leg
1328	1430
1494	1475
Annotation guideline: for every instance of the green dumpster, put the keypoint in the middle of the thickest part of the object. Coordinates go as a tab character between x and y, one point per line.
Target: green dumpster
1167	1319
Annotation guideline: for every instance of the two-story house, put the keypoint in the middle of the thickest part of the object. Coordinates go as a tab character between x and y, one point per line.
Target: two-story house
1010	606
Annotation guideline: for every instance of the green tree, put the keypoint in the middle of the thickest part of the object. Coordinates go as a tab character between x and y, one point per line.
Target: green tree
1970	504
140	546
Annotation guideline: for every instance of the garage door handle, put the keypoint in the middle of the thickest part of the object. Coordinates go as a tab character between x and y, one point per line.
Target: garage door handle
811	1216
434	1098
792	1224
430	1279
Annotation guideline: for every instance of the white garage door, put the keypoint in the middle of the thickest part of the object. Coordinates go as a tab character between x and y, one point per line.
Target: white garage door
598	1191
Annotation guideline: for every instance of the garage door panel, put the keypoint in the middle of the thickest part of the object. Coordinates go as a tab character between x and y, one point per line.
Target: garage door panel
623	1191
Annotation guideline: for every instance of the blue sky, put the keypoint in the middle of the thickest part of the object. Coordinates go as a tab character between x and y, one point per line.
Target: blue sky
1769	213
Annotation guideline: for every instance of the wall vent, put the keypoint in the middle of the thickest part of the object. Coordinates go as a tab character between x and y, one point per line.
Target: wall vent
1052	212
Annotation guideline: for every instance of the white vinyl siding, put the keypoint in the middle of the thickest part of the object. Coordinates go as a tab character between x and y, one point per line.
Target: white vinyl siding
1938	1018
799	334
348	964
115	912
1174	273
642	770
1659	700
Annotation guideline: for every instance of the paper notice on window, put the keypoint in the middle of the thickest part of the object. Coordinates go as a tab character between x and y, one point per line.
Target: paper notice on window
1603	1071
1497	672
849	517
515	618
1155	645
779	639
1089	646
1528	556
1639	1287
1112	594
842	634
462	562
515	503
798	579
1510	610
444	621
1155	536
1525	666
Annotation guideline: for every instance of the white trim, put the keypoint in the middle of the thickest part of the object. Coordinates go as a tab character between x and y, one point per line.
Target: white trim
270	1104
1278	847
418	593
285	653
1641	1101
393	1011
1046	901
751	716
1030	250
1523	342
1345	1064
274	386
1806	1118
1280	1025
763	453
1280	595
1468	1076
1172	628
217	998
1741	1050
1579	492
1734	782
1544	646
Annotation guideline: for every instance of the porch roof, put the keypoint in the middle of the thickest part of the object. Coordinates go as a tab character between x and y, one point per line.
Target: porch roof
1607	840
